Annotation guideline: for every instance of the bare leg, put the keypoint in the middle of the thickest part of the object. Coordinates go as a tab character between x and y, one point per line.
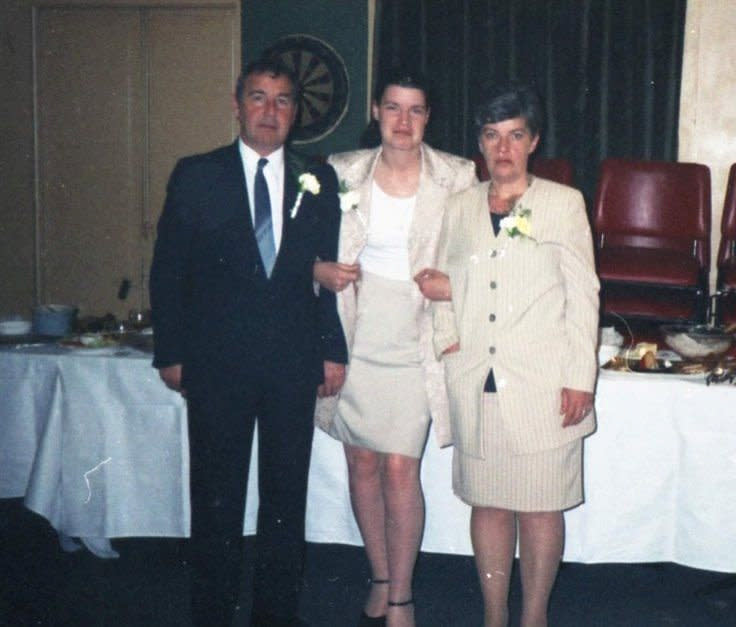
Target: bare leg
541	538
404	525
493	533
366	497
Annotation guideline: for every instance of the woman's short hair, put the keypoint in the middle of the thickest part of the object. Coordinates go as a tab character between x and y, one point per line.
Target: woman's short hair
513	100
402	77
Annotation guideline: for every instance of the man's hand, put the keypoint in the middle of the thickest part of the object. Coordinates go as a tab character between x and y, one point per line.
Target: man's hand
575	405
433	284
335	276
171	376
334	378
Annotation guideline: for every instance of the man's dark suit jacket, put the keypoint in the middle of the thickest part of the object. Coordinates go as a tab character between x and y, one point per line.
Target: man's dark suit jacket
214	310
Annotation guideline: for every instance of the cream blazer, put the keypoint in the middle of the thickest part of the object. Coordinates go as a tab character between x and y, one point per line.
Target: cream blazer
525	306
442	174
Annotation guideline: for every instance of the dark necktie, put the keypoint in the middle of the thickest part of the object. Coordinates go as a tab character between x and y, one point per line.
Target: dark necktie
264	229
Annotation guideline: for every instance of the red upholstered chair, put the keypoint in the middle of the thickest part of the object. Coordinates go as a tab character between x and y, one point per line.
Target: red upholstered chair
726	260
481	171
652	227
555	169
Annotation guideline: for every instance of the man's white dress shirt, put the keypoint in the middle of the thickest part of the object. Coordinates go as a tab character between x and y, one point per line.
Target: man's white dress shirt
274	173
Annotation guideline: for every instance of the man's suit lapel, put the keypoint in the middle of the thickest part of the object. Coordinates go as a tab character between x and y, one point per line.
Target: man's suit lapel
237	192
293	167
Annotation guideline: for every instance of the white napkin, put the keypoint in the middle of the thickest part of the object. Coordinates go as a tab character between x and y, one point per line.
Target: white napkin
608	336
100	547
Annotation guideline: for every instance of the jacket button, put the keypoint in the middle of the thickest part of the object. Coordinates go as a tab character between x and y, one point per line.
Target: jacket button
494	252
492	317
492	350
493	285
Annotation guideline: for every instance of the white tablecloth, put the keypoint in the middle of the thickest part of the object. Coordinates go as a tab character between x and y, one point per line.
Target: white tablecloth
98	446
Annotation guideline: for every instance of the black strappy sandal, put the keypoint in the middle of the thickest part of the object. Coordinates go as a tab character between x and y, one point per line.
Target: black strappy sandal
373	621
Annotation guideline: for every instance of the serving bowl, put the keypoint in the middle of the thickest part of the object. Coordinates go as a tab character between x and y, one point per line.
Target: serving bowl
53	320
697	341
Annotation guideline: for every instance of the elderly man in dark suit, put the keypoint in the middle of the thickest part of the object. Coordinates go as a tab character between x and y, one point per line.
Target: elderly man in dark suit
240	331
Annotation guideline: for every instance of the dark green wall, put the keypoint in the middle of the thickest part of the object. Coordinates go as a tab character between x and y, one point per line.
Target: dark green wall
343	24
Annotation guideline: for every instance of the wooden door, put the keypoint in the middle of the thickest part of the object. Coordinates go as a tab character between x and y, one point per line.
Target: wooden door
121	93
89	116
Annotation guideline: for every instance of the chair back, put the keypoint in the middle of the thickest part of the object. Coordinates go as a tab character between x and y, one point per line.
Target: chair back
727	247
554	168
481	170
654	204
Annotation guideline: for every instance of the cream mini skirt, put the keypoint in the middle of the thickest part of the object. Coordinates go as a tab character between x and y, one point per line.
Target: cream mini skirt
383	405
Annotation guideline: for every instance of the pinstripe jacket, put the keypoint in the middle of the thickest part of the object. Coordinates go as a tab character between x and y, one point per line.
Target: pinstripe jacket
442	174
526	307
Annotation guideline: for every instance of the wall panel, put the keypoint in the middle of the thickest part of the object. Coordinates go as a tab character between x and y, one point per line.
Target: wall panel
89	77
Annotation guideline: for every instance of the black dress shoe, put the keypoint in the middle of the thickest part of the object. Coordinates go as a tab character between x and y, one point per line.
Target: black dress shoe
372	621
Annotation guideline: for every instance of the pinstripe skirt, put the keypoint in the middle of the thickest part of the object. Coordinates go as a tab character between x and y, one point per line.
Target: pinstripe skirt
542	481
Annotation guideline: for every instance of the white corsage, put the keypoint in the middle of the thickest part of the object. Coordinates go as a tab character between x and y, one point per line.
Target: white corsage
349	199
518	223
307	183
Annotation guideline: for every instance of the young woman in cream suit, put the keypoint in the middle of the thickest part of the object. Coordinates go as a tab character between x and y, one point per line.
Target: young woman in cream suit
390	229
518	341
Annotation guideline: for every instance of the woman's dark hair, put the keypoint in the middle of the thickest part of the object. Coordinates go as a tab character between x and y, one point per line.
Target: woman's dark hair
513	100
402	77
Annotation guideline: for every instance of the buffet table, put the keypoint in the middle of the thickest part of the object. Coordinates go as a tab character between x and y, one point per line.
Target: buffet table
96	444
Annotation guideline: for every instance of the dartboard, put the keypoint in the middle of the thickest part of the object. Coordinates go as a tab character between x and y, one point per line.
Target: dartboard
324	85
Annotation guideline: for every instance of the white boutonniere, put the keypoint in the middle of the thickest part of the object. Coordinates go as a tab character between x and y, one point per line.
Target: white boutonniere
518	222
349	199
307	183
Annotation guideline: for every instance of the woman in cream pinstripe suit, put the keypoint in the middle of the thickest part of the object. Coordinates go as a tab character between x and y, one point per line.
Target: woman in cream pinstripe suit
518	341
389	231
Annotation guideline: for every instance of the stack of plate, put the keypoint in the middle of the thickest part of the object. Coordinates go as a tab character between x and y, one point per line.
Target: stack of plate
15	327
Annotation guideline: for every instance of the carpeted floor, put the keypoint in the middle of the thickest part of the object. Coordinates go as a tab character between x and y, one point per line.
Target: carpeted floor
147	587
